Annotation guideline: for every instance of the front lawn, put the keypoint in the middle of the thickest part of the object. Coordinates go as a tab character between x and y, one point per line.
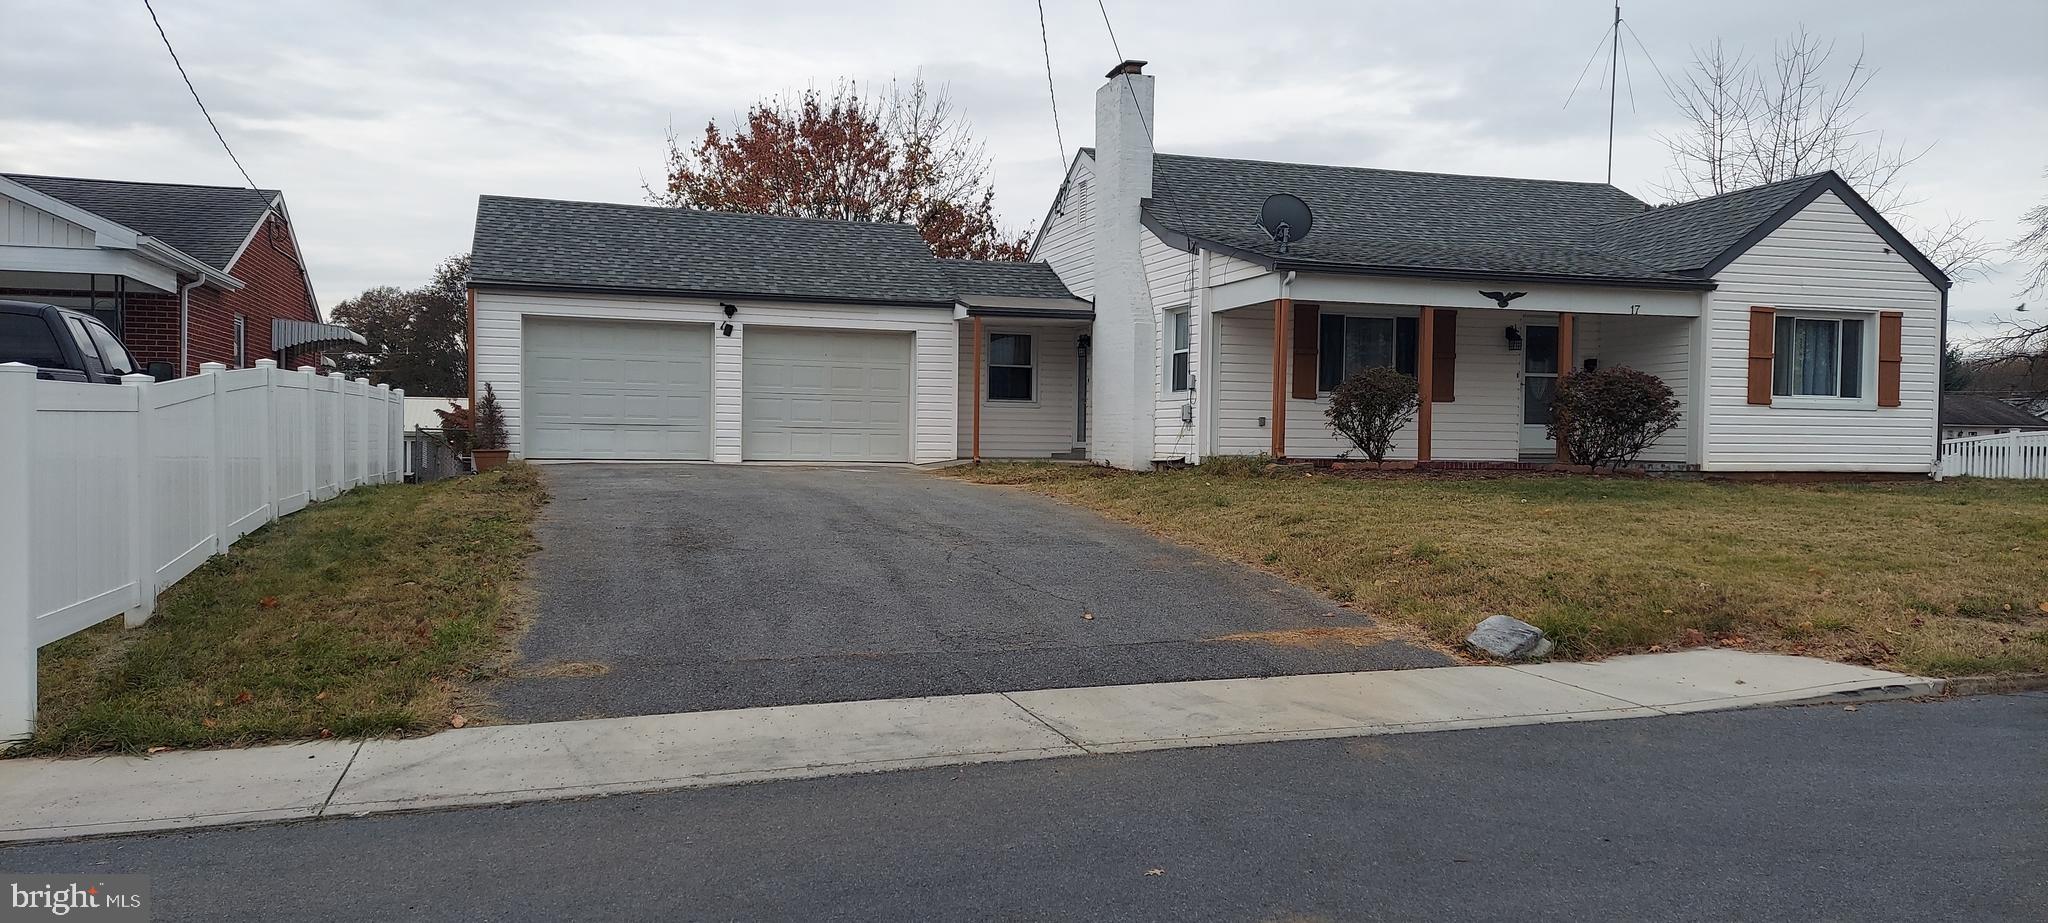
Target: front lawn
362	615
1940	579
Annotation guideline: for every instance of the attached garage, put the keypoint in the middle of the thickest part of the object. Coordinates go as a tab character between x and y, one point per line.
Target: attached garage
617	389
826	395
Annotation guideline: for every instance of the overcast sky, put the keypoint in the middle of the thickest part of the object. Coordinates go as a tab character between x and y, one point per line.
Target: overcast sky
382	121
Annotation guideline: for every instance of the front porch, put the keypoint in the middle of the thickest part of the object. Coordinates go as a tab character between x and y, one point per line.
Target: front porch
1023	387
1486	375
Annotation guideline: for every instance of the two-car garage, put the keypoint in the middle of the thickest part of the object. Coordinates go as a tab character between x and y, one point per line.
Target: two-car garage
612	389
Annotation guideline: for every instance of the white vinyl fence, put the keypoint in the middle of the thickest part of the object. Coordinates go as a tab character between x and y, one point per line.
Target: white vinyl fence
111	493
2004	455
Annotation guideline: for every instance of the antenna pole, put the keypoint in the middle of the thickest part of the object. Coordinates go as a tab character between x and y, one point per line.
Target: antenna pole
1613	81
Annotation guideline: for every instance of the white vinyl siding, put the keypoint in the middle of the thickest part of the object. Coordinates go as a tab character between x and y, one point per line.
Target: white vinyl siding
1022	429
1823	259
1661	346
25	225
499	316
1170	276
1068	242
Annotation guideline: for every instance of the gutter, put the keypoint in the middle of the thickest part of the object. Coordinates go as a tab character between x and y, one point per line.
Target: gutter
489	284
172	256
185	325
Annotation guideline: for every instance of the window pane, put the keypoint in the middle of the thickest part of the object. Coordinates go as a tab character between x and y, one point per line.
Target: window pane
1781	349
1180	330
116	358
1539	350
1537	394
1009	383
1009	349
1180	371
1816	353
1368	343
1330	354
1852	358
84	340
26	339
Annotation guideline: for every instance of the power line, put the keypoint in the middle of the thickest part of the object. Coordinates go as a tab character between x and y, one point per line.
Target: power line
1120	58
195	95
1046	44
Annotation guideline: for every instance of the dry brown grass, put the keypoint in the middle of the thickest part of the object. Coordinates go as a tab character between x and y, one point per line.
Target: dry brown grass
1943	579
367	614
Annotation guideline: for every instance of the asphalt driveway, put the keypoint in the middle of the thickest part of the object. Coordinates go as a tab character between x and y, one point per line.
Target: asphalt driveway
668	588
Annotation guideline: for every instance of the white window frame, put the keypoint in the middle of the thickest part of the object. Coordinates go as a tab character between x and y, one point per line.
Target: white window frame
1185	318
988	384
241	342
1868	368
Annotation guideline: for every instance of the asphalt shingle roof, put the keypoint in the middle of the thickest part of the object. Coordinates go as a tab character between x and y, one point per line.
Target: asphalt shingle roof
1686	237
1977	410
207	223
1397	220
1004	279
649	248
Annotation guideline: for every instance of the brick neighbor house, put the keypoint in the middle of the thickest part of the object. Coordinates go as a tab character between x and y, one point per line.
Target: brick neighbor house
187	274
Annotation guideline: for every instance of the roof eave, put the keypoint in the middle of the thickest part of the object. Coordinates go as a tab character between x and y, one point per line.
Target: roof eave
1824	183
657	292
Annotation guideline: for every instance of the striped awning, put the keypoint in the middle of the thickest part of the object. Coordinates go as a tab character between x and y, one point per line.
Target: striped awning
290	334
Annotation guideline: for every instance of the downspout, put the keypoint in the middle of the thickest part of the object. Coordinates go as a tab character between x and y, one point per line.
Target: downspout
185	326
1940	381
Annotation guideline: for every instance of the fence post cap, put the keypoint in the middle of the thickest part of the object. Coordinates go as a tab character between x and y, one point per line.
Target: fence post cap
383	386
213	367
17	368
306	369
266	363
363	380
398	391
138	378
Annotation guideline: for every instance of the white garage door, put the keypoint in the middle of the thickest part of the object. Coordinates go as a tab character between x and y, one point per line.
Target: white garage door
825	395
617	389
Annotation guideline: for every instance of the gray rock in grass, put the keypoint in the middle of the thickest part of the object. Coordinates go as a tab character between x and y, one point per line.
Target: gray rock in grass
1509	638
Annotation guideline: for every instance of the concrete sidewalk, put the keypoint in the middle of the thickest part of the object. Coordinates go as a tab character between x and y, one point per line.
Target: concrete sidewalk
45	798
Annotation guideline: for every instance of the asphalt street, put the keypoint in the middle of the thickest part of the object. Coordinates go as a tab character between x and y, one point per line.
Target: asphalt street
1890	811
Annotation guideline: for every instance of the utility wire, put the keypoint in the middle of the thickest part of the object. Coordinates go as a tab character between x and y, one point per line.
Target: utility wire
1120	58
1052	94
1595	56
1646	53
195	96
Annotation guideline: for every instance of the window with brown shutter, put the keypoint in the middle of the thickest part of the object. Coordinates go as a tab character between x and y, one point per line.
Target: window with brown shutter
1308	320
1444	363
1890	356
1762	335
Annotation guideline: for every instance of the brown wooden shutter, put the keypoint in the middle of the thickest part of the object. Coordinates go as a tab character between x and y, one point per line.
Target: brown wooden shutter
1890	355
1763	334
1308	336
1443	387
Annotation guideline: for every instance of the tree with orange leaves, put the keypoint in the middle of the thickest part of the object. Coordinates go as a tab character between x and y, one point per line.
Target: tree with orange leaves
900	155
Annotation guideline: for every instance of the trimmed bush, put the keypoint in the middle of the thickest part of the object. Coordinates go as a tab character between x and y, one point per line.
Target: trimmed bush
1609	416
1368	407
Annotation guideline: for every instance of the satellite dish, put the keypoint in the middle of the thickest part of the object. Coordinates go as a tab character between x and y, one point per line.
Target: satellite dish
1286	218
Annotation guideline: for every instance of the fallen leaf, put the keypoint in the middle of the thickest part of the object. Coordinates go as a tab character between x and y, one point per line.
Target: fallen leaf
1695	637
2044	607
1155	872
325	733
209	723
245	698
322	697
158	749
1088	616
1848	708
456	721
269	602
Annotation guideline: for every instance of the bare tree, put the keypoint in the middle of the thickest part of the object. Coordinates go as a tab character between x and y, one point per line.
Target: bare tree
2017	356
1750	123
2032	248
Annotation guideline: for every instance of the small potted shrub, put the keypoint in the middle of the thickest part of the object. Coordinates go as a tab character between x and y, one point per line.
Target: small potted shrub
1607	417
487	438
1368	407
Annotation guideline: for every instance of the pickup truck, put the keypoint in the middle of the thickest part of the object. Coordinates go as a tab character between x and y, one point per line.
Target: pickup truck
63	345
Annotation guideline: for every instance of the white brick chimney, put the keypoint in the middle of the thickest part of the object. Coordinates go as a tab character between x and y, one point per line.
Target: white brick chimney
1123	390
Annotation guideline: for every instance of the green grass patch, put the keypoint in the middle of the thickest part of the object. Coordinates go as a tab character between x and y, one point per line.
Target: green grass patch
364	615
1943	579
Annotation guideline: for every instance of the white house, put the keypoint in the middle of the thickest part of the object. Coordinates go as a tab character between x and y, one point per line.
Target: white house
1160	322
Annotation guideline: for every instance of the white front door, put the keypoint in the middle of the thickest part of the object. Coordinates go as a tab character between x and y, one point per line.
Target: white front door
1539	385
825	395
616	389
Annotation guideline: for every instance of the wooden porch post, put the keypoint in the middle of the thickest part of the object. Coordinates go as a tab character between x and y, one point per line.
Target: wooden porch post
1282	308
1565	362
976	441
1425	379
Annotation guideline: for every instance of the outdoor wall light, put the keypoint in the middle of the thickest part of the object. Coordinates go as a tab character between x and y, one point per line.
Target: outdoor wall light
1514	339
730	309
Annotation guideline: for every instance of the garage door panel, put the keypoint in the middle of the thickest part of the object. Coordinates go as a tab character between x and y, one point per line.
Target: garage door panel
617	389
826	395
